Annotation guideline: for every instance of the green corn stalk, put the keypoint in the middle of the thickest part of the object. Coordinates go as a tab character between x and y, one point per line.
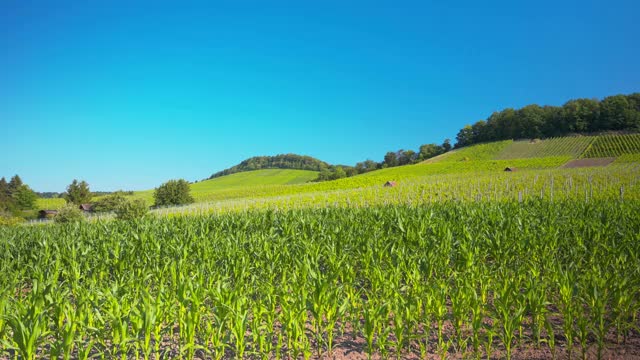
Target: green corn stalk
509	312
28	322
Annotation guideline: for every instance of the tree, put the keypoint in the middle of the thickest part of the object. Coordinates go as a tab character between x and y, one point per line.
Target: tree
14	184
406	157
580	115
464	137
78	193
339	173
173	192
24	198
390	159
428	151
5	195
446	145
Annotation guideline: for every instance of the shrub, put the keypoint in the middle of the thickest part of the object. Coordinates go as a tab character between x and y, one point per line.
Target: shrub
110	202
69	214
10	220
173	192
131	210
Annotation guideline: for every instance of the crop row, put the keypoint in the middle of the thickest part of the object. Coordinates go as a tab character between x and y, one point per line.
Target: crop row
441	279
613	145
564	146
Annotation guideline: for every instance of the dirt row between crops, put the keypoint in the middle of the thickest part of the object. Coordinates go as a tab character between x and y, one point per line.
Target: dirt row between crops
348	347
594	162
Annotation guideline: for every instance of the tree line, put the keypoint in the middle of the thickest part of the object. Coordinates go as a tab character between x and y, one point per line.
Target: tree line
282	161
391	159
613	113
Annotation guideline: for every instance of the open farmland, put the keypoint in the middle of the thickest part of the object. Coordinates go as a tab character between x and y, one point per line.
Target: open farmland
459	260
449	279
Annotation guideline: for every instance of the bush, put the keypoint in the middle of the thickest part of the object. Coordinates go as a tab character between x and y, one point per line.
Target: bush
173	192
131	210
69	214
7	220
110	203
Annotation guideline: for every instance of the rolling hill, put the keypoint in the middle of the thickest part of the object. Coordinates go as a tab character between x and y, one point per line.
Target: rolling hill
480	160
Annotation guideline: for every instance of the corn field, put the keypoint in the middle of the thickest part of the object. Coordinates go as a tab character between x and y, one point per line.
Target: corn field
434	280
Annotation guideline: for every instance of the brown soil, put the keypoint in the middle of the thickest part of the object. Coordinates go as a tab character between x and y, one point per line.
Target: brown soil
595	162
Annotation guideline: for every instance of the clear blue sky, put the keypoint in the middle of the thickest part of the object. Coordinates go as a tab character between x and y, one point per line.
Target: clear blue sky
129	94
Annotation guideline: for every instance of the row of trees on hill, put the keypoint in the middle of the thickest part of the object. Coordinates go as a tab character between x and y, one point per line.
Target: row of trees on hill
391	159
282	161
613	113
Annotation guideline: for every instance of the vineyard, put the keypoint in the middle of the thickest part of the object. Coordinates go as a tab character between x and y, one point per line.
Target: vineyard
565	146
613	145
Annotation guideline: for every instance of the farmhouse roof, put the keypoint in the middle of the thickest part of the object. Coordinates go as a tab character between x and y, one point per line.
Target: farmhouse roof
86	207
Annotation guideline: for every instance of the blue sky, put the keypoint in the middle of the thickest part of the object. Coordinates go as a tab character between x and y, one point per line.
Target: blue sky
129	94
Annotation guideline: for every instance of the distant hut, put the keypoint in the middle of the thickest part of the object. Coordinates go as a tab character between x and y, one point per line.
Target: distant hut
390	184
47	214
86	207
510	169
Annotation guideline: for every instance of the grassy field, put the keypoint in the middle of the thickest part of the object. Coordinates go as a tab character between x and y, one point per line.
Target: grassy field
49	204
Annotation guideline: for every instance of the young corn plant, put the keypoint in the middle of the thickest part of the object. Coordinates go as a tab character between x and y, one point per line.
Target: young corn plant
373	318
509	311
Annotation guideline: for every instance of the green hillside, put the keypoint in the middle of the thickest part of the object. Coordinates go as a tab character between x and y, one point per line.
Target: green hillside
482	160
217	187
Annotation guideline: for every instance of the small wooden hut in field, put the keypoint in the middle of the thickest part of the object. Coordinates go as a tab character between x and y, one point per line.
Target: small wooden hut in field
47	214
510	169
86	207
390	184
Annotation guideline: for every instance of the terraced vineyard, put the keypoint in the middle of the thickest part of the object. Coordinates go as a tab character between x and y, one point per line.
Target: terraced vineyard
613	145
476	152
565	146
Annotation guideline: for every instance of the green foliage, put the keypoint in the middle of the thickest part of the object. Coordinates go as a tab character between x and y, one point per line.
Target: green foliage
15	196
283	161
173	192
69	214
24	198
110	202
78	193
618	112
9	220
131	210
